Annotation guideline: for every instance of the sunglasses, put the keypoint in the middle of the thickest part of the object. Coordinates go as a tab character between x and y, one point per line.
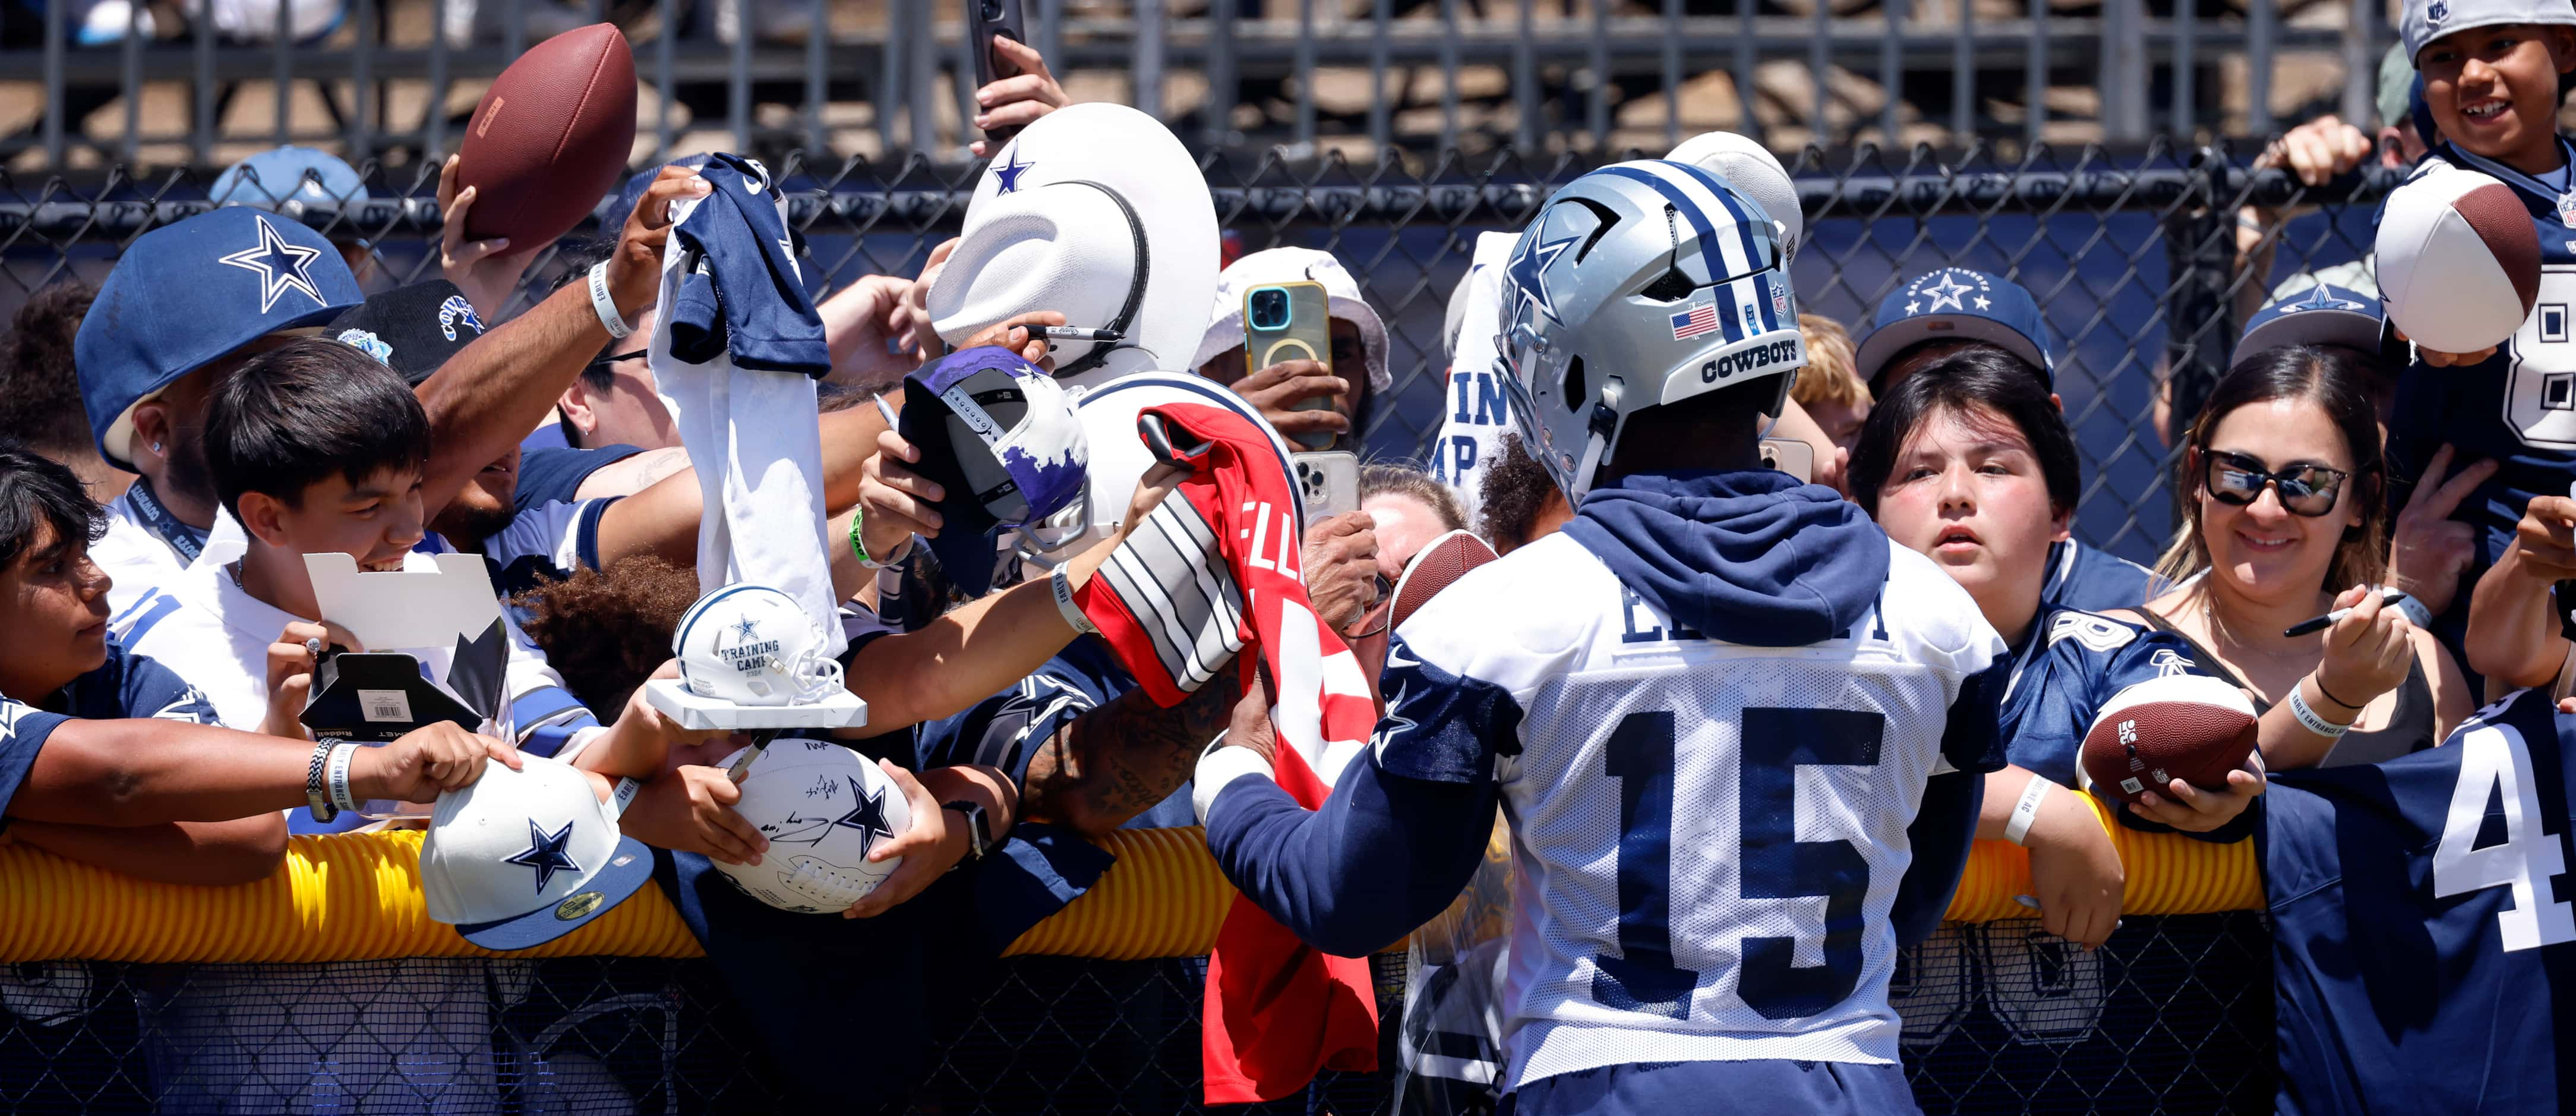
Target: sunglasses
607	365
2305	490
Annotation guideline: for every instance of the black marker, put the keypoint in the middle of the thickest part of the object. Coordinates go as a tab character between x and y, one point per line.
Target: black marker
1075	333
2315	624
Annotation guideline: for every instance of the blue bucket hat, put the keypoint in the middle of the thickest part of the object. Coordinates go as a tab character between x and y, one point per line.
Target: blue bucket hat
1957	303
1000	436
2320	315
185	295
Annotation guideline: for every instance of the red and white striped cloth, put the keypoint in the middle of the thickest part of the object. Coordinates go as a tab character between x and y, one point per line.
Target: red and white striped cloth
1173	603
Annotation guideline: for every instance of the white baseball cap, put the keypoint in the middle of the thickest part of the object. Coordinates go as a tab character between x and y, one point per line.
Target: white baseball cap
1290	265
1098	212
519	858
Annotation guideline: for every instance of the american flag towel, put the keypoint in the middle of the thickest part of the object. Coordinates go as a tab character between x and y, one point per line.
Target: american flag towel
1215	567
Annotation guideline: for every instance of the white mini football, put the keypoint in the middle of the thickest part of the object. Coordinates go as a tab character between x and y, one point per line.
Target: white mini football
822	806
2459	261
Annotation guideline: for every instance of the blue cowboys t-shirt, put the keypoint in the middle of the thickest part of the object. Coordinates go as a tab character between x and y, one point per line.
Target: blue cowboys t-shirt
127	685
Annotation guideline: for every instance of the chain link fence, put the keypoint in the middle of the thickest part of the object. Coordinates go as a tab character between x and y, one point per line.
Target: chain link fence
2133	257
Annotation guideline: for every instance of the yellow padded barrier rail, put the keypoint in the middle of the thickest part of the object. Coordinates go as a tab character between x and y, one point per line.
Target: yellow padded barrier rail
352	897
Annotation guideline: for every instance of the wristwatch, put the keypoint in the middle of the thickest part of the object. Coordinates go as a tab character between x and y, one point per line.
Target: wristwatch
979	835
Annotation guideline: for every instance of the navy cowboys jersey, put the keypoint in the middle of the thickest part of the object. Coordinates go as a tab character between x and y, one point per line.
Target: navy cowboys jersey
126	686
2518	406
1708	837
2065	675
2092	579
2421	916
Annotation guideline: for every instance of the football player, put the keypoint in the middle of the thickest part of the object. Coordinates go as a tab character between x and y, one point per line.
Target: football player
1710	706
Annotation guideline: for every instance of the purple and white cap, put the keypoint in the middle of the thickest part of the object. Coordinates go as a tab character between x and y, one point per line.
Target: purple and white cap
1000	436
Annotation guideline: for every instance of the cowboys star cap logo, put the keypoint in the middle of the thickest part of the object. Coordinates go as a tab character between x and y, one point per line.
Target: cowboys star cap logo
1007	175
281	267
2320	298
1949	288
546	853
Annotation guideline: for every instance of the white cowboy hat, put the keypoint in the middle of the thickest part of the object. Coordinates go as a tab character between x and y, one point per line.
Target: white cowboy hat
1095	211
1290	265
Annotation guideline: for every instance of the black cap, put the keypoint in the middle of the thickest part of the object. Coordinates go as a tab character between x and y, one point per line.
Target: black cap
413	329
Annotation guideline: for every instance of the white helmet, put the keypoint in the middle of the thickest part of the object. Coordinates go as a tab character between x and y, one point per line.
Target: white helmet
752	645
1119	459
1639	285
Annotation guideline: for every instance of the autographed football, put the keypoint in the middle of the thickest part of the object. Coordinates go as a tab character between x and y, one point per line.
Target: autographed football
1434	568
2187	726
822	806
550	138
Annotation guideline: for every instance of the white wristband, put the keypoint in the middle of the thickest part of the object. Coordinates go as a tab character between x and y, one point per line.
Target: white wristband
1062	586
341	754
606	306
2026	811
2307	715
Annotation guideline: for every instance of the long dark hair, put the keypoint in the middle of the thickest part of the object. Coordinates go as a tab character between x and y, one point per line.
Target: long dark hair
2332	377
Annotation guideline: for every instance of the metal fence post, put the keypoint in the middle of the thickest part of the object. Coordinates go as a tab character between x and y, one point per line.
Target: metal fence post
2200	258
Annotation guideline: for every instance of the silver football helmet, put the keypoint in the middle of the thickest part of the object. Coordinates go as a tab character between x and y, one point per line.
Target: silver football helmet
1639	284
752	645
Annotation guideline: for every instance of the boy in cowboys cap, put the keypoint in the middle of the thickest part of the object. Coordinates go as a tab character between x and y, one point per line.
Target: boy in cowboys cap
1950	309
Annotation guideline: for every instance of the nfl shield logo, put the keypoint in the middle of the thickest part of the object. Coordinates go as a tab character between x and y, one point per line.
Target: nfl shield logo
2567	209
2438	11
1779	300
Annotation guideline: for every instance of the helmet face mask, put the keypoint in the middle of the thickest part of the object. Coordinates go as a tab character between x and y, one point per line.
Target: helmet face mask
1639	285
752	645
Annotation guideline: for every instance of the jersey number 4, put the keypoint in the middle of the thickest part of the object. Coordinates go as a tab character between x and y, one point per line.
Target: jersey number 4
1775	864
2495	763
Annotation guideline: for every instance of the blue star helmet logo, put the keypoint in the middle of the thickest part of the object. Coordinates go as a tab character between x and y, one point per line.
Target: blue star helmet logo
867	815
746	628
2319	298
282	267
1008	174
1527	271
546	853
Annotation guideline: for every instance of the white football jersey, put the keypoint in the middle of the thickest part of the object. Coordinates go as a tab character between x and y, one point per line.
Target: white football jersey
1708	837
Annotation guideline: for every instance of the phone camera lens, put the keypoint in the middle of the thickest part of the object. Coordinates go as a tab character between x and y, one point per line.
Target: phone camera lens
992	10
1269	308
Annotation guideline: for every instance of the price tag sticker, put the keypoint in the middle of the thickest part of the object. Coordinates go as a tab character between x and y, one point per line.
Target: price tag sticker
384	705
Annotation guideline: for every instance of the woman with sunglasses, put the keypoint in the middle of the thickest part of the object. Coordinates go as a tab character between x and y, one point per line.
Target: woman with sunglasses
2284	519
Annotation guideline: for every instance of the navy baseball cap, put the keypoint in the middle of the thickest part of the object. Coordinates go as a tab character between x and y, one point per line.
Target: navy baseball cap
1001	438
1957	303
413	329
2320	315
613	217
183	296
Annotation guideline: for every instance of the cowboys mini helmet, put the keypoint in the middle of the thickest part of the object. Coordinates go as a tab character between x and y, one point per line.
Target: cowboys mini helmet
752	645
1638	285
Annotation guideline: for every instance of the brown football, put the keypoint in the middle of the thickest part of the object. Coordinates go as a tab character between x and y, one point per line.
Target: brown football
2187	726
550	138
1433	569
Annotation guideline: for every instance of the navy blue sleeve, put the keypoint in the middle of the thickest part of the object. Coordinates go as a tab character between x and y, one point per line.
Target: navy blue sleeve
747	299
1440	726
550	476
23	729
1943	831
1971	740
1385	854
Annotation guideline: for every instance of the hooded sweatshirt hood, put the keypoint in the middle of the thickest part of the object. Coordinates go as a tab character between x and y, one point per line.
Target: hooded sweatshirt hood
1755	558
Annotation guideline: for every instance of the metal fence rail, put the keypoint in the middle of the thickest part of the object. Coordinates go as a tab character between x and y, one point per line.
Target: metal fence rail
2132	259
1574	73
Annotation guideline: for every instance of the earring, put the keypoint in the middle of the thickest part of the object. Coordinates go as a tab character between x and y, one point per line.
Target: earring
156	447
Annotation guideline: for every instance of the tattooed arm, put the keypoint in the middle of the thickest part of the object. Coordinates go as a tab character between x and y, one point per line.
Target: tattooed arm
1117	761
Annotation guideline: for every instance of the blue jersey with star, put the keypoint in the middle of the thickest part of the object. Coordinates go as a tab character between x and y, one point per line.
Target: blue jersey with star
2518	406
127	685
2421	919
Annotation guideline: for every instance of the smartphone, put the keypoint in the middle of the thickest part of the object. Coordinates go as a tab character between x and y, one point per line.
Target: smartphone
1290	321
985	19
1329	482
1791	456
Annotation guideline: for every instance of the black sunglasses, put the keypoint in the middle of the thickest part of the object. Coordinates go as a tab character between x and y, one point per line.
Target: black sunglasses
2237	480
607	365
